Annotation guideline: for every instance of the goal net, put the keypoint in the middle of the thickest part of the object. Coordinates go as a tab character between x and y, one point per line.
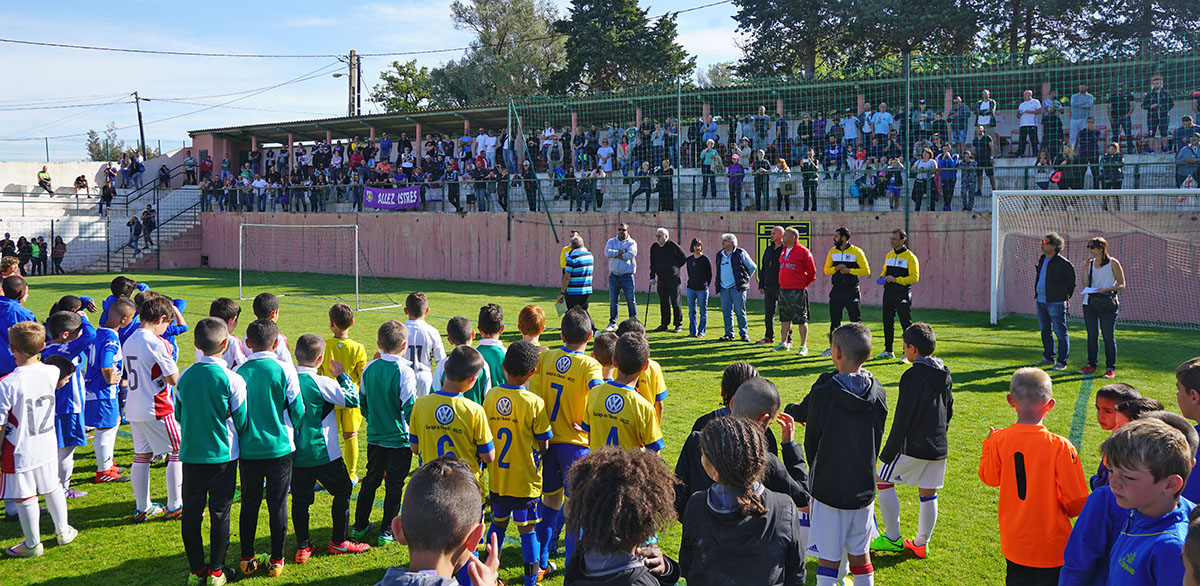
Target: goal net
1155	233
323	264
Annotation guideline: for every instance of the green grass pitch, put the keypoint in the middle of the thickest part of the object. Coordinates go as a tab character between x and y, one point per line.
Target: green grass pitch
965	548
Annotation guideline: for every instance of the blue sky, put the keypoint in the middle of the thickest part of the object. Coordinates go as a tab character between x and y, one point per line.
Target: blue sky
42	76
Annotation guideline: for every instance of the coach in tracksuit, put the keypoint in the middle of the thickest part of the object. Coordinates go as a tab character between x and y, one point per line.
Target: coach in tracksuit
846	263
900	271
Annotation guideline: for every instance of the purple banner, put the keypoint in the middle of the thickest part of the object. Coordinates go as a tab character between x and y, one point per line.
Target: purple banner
405	198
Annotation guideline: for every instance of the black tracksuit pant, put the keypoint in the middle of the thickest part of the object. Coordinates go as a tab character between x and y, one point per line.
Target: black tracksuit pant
336	480
387	466
211	485
277	474
896	300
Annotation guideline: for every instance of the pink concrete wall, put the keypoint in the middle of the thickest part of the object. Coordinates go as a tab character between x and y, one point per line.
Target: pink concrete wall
953	248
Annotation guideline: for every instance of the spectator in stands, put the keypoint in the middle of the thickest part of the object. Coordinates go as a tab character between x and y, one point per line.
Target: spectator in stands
707	169
810	169
982	146
135	232
1120	104
761	125
206	168
1187	162
1028	111
1157	103
1081	109
529	180
107	193
922	121
784	185
256	160
81	184
57	254
947	163
985	117
189	169
1112	169
110	173
760	169
149	223
665	187
1088	148
125	163
1187	129
804	132
849	125
43	179
882	122
164	177
736	174
1072	171
1052	130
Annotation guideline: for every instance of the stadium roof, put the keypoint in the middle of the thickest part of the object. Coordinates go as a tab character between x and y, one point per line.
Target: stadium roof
436	121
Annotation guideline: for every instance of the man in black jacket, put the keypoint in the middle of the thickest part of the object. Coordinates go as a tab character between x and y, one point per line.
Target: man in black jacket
1053	286
768	281
666	257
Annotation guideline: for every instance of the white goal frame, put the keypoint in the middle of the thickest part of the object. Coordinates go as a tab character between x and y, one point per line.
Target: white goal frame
358	306
1086	194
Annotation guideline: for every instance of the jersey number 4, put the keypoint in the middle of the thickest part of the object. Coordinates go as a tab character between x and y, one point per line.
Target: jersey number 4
47	418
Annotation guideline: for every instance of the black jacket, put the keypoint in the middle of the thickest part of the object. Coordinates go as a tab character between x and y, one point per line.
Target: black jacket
923	411
729	549
666	260
574	575
788	476
701	421
843	433
699	272
768	267
1060	278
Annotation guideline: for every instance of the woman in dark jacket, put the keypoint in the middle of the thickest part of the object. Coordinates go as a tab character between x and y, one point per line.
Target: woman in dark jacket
699	270
529	179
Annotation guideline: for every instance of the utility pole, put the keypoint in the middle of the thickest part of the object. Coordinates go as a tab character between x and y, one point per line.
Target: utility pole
141	129
355	103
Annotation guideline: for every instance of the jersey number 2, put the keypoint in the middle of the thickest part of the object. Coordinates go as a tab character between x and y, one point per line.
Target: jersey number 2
505	435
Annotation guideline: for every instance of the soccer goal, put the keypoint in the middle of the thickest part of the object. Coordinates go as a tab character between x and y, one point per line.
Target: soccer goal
332	256
1155	233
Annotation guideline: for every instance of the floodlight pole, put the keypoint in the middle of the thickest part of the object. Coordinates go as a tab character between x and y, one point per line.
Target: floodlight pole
141	128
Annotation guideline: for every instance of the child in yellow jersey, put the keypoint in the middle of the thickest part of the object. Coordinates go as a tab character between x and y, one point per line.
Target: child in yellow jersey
563	379
353	357
445	422
603	347
616	414
650	383
521	426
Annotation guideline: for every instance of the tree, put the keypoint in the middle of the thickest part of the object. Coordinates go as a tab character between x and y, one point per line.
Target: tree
405	87
612	45
107	148
786	37
1146	27
515	50
717	75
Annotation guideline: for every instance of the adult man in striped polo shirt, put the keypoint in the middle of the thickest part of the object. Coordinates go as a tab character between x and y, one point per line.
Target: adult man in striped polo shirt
577	276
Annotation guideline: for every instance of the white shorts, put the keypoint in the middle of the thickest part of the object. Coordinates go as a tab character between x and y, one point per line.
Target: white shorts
28	484
155	437
909	471
835	532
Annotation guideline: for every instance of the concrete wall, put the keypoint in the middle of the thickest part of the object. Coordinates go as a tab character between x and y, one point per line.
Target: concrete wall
16	177
952	247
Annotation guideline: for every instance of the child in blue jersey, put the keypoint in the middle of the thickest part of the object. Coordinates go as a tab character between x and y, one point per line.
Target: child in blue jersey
616	414
318	458
70	335
1191	553
1085	558
101	407
1187	396
122	288
1149	462
1107	400
521	426
210	405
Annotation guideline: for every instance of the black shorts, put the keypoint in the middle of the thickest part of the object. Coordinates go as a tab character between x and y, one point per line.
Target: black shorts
793	305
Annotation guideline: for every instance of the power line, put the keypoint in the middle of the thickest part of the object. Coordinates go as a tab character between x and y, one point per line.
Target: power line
322	56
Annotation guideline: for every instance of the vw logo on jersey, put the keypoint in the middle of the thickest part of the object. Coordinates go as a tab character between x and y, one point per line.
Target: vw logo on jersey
563	364
614	403
504	406
444	414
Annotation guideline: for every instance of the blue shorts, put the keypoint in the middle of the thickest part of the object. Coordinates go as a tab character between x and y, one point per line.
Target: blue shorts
70	431
102	413
555	464
522	510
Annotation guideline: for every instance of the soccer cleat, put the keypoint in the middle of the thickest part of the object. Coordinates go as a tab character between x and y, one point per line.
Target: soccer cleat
918	550
174	514
885	355
882	543
827	353
782	346
546	571
303	554
1059	366
766	341
275	570
1044	362
154	511
803	351
252	565
1110	373
1089	369
348	547
21	551
67	536
237	495
71	493
111	475
220	579
358	534
385	538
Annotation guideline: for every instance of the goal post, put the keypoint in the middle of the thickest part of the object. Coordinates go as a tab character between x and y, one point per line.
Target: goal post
332	253
1154	233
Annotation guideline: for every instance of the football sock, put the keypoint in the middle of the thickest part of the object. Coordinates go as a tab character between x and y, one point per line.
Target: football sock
864	575
827	576
463	578
926	519
530	550
802	533
10	507
56	505
350	455
27	513
844	568
570	544
66	466
139	476
544	530
499	533
559	521
105	442
889	509
174	482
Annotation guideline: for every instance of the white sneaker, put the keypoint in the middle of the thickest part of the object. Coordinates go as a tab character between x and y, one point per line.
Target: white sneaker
68	536
21	551
803	351
783	346
827	353
611	328
905	360
884	356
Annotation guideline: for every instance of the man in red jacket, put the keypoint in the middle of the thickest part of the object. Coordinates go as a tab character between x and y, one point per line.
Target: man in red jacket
796	272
